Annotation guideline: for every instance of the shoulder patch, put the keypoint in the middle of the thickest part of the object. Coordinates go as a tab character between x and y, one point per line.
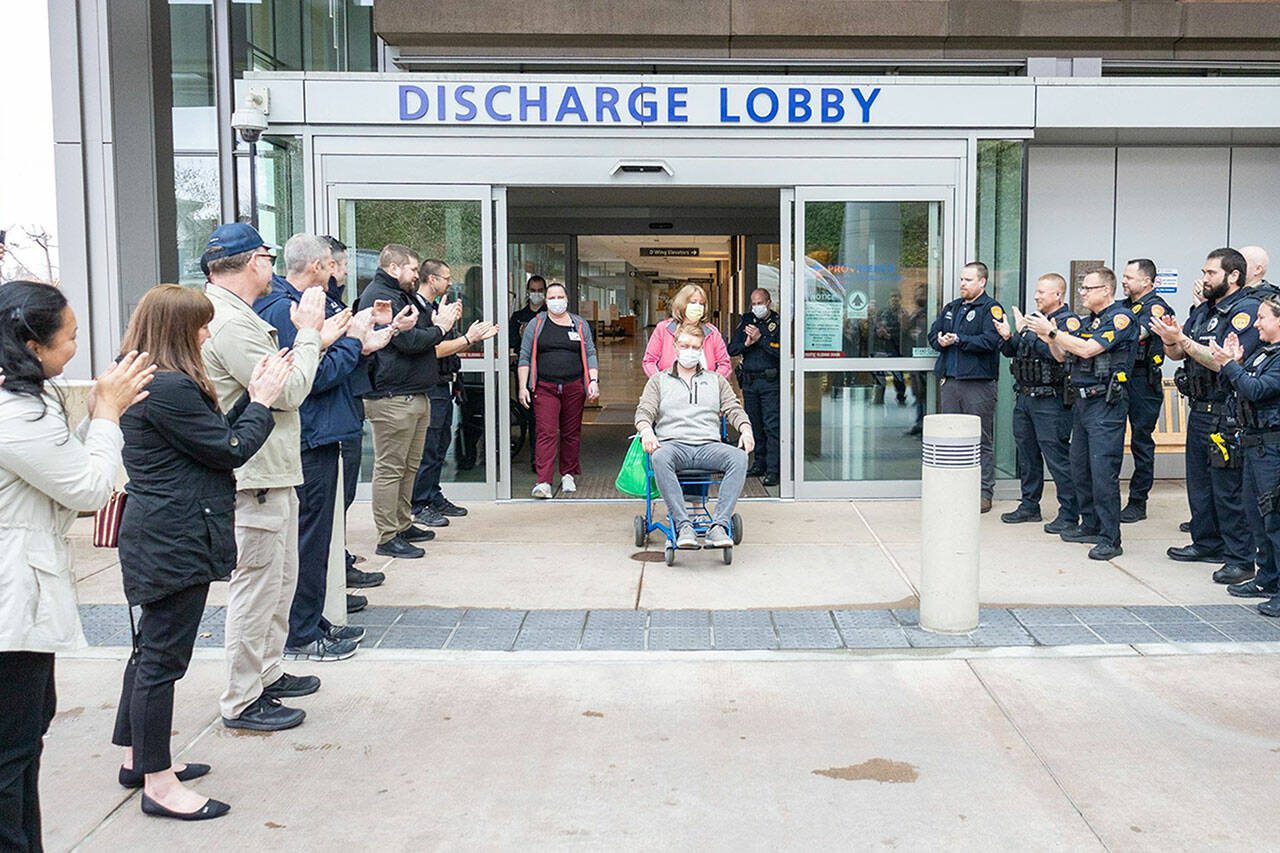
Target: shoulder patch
1240	321
1073	323
1157	311
1109	335
997	312
1121	321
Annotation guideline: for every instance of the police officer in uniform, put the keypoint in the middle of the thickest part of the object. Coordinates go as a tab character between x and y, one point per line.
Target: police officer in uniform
1146	386
1100	357
968	363
757	340
1042	411
1255	388
1219	528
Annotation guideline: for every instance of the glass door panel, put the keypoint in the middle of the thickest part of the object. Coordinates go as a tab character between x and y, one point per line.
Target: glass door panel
453	225
872	273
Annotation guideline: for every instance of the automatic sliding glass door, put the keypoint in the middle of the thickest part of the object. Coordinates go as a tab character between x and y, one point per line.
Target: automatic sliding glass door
872	269
456	225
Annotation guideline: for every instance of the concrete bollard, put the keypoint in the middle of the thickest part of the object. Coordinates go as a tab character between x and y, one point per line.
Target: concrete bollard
950	501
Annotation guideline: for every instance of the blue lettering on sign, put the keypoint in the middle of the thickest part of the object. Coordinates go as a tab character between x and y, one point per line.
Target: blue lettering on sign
832	106
798	109
866	102
417	112
462	96
602	104
771	96
540	102
676	103
607	99
642	108
571	103
725	117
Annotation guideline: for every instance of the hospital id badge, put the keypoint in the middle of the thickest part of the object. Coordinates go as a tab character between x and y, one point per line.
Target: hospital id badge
575	337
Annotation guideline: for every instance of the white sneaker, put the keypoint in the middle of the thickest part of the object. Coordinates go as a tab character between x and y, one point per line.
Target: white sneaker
567	484
542	490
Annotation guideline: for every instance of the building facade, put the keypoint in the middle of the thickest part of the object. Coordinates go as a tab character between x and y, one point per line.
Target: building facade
847	155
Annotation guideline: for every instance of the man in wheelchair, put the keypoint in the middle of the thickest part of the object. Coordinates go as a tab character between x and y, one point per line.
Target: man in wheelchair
678	419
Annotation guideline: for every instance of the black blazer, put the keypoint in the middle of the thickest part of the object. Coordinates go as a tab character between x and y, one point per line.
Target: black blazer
180	453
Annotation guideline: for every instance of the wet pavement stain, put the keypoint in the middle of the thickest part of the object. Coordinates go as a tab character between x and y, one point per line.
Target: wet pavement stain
648	556
592	714
273	825
873	770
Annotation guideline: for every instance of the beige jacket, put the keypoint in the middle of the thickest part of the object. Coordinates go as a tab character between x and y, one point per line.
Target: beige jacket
47	476
238	339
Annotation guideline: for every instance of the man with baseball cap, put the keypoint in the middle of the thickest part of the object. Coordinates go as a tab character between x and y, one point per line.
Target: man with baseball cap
239	266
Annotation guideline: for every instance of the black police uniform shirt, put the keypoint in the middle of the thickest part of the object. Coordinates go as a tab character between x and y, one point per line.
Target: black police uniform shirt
1146	308
765	353
1257	380
1064	318
976	355
520	319
1115	329
1216	320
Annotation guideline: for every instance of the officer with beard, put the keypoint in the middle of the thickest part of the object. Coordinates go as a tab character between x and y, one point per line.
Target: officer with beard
1219	525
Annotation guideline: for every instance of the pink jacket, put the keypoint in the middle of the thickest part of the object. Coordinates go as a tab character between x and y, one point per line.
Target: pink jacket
660	354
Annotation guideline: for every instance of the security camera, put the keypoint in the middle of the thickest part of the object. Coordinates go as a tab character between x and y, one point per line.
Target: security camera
250	121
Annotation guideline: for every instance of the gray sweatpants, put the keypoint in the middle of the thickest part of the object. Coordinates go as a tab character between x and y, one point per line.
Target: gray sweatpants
672	456
975	397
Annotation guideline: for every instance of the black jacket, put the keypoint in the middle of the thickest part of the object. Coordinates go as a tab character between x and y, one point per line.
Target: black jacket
407	365
178	528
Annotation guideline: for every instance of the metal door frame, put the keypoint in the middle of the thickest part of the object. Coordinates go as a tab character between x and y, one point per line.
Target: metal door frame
952	225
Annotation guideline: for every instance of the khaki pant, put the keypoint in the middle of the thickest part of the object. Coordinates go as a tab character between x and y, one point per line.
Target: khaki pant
399	434
260	594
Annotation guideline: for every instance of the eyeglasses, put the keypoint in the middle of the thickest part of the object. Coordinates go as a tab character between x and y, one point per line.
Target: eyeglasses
1086	288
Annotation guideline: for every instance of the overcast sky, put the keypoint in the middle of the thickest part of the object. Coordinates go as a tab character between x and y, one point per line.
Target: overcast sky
26	141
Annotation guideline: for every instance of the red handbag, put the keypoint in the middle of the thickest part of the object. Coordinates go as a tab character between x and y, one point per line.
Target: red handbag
106	521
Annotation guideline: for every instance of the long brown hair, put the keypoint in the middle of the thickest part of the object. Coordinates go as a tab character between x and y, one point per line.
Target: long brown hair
167	324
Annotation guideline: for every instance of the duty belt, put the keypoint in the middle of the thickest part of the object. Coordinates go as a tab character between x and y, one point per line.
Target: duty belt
1040	391
1208	407
1090	391
1269	438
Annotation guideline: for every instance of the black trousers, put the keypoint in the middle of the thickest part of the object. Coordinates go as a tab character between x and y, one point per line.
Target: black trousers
762	398
27	705
351	459
316	497
1144	412
426	487
161	654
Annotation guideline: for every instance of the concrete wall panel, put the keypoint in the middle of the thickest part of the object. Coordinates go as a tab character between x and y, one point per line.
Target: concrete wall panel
1070	198
1255	202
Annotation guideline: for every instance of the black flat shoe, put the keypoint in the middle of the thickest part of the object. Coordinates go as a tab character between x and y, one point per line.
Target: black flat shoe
1194	554
210	810
1020	515
132	779
1233	574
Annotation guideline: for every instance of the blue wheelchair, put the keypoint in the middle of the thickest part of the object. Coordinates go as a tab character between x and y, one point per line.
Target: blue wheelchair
695	484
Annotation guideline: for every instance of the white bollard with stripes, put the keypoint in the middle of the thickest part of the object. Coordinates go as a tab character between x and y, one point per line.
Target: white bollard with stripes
950	499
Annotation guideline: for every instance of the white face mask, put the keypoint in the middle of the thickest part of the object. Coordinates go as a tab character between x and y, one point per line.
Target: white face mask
558	305
761	311
536	298
688	356
693	312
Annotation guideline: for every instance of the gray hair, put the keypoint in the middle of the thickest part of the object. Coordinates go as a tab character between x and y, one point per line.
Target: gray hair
302	250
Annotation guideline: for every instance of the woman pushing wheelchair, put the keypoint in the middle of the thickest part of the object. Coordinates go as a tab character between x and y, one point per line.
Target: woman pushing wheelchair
678	419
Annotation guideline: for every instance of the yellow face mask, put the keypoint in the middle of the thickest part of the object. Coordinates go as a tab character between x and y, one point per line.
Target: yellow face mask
693	312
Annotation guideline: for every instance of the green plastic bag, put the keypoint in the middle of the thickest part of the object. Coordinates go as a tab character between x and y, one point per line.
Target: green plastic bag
631	477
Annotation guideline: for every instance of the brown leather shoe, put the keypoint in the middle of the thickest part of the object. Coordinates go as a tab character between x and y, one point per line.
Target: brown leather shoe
986	504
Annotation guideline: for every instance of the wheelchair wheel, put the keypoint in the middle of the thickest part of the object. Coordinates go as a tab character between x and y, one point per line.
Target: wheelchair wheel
670	554
642	532
737	530
728	555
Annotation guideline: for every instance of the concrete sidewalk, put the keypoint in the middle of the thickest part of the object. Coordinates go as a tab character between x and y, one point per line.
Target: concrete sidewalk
815	554
1120	753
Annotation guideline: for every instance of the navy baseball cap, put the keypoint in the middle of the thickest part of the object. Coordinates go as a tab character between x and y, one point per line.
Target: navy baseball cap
231	238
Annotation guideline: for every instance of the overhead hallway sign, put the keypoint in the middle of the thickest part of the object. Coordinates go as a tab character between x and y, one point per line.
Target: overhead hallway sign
617	101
